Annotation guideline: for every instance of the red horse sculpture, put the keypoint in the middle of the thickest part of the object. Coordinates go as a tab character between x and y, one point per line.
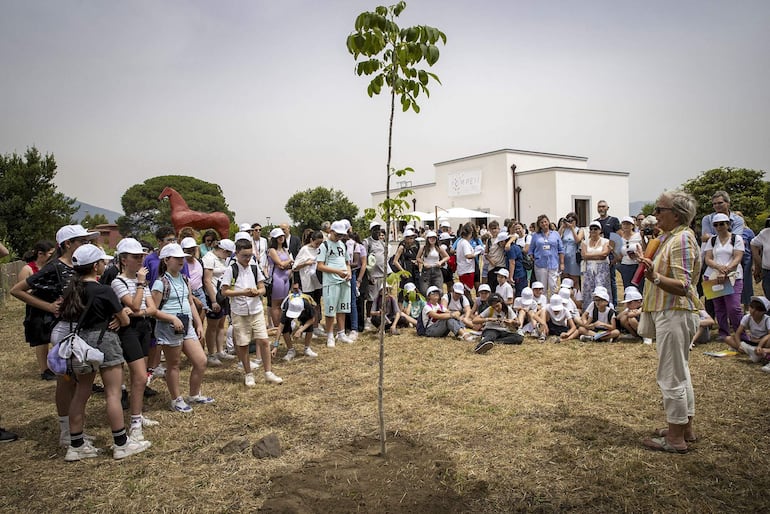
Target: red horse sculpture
182	216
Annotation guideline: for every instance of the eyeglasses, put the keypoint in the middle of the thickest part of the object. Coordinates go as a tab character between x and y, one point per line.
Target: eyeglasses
658	210
720	223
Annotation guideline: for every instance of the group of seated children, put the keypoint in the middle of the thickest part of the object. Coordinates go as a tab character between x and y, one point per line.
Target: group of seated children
753	334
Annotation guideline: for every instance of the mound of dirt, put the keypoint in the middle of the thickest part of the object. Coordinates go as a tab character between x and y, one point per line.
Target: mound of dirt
354	478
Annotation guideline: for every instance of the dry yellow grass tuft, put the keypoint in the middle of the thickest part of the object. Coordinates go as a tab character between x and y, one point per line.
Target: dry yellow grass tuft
537	427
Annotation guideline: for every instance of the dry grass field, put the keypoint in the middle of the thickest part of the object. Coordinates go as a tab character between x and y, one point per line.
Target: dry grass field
531	428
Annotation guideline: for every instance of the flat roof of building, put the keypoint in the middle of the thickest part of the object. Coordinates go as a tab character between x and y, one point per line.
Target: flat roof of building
511	150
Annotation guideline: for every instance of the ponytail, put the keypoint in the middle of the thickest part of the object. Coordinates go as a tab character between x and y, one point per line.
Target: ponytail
75	299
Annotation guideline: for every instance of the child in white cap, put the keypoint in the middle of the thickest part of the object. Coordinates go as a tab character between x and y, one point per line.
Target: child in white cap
629	317
599	323
558	321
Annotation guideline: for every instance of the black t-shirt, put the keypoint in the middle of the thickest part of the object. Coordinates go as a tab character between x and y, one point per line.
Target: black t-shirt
105	303
610	225
48	284
109	274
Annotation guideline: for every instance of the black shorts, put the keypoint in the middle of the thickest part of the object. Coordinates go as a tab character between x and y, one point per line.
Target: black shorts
37	327
135	339
556	330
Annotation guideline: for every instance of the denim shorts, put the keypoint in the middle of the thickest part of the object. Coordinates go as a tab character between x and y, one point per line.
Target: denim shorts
166	336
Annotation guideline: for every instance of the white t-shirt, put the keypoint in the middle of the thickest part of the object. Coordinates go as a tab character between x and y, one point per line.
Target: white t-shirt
243	305
756	330
604	317
127	286
505	290
762	240
518	305
541	300
426	319
559	318
216	265
723	254
455	305
464	266
632	245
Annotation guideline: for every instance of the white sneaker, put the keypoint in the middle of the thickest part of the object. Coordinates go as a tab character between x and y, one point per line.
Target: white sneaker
254	363
319	332
179	405
249	380
586	338
353	335
309	353
766	368
342	337
368	327
273	378
159	372
199	398
751	351
224	356
290	355
330	341
213	360
132	447
648	340
87	451
147	422
135	433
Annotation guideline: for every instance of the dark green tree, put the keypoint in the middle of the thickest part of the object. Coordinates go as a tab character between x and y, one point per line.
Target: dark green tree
391	55
144	213
747	189
311	207
31	208
90	221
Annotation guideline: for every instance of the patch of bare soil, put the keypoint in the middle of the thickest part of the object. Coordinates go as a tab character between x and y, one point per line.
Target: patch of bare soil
413	477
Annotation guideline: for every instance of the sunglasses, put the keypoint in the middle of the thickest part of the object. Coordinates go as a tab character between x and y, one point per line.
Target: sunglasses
720	223
594	228
658	210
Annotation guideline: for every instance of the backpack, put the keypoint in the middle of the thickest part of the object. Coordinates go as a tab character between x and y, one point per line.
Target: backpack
223	300
420	326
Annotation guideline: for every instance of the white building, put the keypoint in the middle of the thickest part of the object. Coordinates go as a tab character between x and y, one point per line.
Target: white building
520	184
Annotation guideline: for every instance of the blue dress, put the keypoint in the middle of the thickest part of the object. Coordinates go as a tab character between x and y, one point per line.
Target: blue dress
571	266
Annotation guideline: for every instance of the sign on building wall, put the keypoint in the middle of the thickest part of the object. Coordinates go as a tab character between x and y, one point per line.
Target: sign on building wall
462	183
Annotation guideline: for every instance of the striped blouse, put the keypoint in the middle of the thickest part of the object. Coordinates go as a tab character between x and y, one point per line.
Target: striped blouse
678	257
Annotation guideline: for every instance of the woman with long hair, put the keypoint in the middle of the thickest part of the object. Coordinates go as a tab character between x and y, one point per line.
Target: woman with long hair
548	253
131	288
43	292
279	266
178	328
96	311
431	257
36	258
305	265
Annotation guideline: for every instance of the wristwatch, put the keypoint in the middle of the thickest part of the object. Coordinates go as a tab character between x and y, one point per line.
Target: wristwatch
656	280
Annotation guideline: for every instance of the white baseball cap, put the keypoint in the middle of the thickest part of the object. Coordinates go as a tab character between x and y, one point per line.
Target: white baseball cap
188	242
445	236
296	306
347	224
130	245
503	272
444	224
761	299
557	304
87	254
595	224
245	227
276	232
374	224
338	227
458	287
527	296
242	235
566	295
68	232
502	237
409	287
485	287
433	289
172	250
537	285
720	217
430	233
568	283
627	219
227	245
409	232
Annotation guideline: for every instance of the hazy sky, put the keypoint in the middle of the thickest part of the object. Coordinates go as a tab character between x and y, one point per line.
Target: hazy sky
260	97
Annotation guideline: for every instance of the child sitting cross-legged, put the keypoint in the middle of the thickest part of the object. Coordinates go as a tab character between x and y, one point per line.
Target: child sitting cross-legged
629	317
753	332
412	303
500	324
559	325
389	314
599	322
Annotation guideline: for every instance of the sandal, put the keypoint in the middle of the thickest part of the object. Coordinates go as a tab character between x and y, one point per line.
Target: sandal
663	432
662	445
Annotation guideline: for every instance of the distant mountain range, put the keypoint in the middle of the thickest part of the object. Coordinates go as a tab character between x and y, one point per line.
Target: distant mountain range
635	208
87	208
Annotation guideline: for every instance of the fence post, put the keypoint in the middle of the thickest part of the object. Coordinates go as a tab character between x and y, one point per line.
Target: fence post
9	275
